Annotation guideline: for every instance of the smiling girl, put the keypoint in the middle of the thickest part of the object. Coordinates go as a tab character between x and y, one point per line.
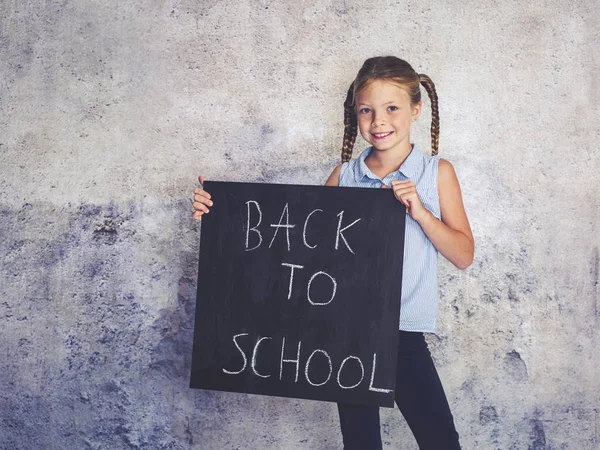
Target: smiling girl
382	103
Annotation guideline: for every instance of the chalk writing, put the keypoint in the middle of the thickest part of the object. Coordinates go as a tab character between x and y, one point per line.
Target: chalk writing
249	229
297	363
243	355
284	222
332	294
287	226
304	229
340	232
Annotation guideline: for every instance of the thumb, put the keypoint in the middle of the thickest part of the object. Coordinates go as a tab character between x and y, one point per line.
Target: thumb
201	179
384	186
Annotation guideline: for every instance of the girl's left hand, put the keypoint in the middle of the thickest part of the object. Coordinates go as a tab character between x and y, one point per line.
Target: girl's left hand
405	191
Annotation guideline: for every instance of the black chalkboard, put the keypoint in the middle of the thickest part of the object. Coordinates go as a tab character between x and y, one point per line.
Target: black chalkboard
299	292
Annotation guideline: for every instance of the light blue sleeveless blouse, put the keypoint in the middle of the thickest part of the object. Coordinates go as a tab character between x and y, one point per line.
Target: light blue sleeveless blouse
418	311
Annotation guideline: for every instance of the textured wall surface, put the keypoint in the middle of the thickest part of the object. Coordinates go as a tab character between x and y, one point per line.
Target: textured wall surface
109	111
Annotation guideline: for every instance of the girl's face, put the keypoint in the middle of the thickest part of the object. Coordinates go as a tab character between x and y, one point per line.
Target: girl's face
384	115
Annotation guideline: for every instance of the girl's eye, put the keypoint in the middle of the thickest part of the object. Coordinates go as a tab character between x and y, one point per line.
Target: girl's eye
393	108
364	111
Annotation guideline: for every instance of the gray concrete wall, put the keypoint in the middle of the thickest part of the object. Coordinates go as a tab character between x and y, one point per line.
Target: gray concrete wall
108	112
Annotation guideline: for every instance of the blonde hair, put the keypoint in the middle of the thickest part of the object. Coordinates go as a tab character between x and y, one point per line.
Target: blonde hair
400	72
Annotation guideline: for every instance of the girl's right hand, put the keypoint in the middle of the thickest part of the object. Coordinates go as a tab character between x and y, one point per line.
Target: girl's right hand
201	201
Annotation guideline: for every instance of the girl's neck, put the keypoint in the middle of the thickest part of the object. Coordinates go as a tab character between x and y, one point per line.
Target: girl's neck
384	163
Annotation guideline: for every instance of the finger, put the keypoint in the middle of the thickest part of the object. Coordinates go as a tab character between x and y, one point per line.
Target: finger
402	182
385	186
409	186
405	202
197	215
200	207
404	191
203	196
201	192
402	197
203	200
201	179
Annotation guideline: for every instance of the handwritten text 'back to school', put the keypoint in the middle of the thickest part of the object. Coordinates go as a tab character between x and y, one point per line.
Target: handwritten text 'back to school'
351	366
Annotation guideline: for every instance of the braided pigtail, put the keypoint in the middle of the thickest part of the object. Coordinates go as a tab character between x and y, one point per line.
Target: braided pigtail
350	125
435	115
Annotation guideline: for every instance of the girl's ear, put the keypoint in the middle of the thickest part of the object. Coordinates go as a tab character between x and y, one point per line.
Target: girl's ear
416	110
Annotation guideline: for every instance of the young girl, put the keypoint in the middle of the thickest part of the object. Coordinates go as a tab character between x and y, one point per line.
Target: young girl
382	103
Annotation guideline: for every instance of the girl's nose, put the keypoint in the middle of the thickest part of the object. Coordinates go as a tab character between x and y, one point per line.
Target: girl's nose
377	119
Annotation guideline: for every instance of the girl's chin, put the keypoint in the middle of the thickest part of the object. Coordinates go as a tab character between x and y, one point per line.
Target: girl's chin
380	148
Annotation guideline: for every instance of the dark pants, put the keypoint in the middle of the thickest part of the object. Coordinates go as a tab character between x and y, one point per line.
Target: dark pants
419	396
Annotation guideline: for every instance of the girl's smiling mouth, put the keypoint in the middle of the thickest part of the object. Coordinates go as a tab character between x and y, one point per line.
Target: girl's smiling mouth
381	135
